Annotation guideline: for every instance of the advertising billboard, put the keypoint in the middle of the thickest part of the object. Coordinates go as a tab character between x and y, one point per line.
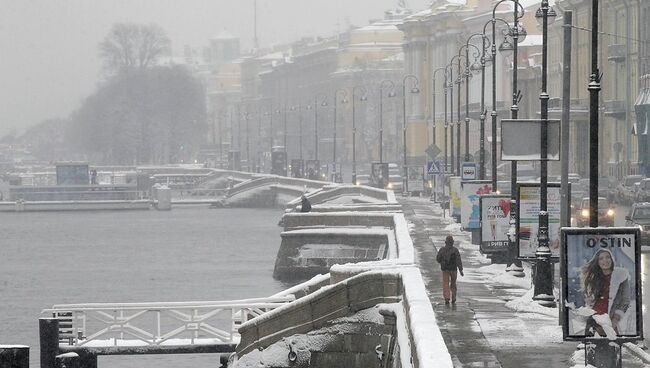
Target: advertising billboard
379	175
495	223
528	218
602	268
470	213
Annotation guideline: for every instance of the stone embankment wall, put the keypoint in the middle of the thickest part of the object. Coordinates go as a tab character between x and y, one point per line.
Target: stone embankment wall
329	324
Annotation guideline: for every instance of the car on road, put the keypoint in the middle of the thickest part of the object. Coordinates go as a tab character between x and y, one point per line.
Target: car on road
606	213
643	191
626	190
639	215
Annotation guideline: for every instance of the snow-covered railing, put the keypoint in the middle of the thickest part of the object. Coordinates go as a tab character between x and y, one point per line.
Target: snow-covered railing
155	324
261	180
332	192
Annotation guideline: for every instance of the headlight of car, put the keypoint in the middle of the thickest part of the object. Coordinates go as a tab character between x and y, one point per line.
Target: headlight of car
610	212
390	186
584	213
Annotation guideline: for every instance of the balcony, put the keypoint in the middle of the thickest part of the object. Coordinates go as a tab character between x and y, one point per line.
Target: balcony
616	53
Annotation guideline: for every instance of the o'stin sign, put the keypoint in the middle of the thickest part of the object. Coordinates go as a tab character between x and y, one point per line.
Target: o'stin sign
602	289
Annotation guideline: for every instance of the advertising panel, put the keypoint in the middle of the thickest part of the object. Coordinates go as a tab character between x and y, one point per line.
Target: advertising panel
415	178
495	223
379	175
454	192
603	288
528	218
470	212
521	139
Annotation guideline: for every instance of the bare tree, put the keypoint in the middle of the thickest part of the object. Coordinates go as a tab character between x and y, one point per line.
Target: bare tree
129	46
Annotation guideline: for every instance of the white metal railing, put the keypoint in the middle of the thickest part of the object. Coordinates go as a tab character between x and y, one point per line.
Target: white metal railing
173	323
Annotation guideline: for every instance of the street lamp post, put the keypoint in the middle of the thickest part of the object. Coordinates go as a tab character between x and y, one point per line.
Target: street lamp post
517	35
543	292
391	93
594	90
336	99
323	103
414	90
362	98
467	74
248	146
445	88
450	84
433	104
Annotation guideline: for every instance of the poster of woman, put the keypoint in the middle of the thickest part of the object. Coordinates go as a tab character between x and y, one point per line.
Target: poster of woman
602	292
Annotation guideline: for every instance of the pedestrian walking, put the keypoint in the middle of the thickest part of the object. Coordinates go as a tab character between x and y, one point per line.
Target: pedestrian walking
450	264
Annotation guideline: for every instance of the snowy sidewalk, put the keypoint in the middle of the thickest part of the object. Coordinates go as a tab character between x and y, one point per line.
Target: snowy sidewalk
494	323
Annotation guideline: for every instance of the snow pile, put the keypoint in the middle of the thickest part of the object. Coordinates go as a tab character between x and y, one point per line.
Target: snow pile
454	228
525	303
498	276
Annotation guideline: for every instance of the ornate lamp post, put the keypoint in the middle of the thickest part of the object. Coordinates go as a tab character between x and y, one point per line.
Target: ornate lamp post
467	75
473	68
391	93
299	109
248	146
433	105
543	292
323	99
414	90
518	34
450	84
344	93
362	98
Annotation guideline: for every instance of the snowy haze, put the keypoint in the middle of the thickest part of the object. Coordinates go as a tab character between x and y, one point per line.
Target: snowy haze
50	57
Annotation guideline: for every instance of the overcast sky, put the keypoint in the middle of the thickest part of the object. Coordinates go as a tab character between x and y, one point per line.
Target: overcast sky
48	57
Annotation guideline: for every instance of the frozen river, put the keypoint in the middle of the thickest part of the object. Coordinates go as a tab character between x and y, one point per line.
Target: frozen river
189	253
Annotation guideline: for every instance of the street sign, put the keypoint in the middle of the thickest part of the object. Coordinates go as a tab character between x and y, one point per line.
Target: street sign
433	151
433	168
468	171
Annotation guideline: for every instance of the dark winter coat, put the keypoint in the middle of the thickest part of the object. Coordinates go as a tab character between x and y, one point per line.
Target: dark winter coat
449	259
305	206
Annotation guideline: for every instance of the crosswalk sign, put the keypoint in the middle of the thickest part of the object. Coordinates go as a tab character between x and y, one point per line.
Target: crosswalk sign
433	168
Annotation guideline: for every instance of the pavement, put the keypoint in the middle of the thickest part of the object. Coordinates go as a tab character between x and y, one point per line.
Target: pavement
489	326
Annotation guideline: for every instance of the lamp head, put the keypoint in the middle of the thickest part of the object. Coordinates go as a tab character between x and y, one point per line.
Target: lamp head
363	98
324	103
476	66
415	90
391	94
506	46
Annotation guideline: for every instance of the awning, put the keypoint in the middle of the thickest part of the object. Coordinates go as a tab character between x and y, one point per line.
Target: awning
642	107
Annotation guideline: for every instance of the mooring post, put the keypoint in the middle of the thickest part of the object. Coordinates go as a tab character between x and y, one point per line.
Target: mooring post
14	356
49	340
